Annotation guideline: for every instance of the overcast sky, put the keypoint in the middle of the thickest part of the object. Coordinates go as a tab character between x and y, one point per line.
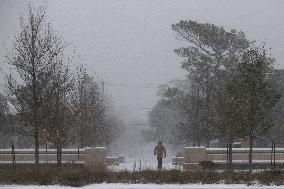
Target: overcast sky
131	41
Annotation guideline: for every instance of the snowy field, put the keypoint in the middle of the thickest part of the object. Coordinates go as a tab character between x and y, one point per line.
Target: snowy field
145	186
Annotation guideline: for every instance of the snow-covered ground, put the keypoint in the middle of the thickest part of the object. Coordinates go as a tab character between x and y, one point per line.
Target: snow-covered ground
139	153
146	186
140	156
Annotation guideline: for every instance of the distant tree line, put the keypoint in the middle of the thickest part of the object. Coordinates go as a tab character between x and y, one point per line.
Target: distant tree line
50	97
232	91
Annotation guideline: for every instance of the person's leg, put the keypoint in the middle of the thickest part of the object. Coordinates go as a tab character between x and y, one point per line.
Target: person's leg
159	163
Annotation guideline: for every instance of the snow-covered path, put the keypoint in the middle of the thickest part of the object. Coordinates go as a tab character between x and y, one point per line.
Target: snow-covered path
138	153
146	186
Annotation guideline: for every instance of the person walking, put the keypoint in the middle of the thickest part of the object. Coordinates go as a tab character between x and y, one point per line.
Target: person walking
160	152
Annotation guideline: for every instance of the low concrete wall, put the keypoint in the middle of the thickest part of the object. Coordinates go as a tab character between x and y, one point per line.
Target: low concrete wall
94	158
262	157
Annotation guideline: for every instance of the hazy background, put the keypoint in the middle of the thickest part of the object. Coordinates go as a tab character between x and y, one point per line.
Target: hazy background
129	44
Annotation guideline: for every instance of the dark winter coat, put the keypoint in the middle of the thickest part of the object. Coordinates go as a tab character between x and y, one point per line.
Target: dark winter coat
160	151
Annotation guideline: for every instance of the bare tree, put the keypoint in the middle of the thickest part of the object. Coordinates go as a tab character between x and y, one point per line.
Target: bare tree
34	55
4	115
58	109
91	127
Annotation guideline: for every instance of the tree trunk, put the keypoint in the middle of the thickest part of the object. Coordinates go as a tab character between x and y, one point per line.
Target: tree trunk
207	144
59	155
271	156
250	152
36	147
274	153
36	138
227	154
36	130
46	153
59	149
230	156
